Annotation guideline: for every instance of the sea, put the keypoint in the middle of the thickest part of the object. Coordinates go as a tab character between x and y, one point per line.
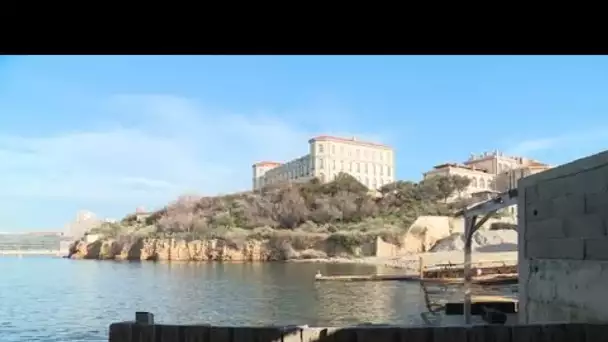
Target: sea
47	299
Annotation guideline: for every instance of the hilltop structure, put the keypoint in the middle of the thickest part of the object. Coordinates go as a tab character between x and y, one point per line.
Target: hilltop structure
372	164
490	172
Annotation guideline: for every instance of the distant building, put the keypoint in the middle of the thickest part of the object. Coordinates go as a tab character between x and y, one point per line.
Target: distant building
372	164
489	172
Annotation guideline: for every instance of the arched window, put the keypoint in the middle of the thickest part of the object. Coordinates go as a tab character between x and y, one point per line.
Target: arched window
482	183
474	182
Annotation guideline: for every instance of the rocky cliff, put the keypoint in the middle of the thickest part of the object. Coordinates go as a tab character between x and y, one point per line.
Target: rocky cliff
221	250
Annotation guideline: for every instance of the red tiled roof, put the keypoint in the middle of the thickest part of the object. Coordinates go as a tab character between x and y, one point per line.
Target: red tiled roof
347	140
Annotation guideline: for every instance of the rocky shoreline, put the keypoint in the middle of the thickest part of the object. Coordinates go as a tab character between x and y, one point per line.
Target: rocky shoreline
171	249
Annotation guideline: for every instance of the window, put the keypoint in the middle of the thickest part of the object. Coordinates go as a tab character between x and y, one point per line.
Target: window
366	170
334	162
350	166
374	185
333	149
381	153
474	182
341	149
322	177
357	153
341	165
482	183
320	148
349	152
388	171
358	167
381	170
320	164
373	169
367	182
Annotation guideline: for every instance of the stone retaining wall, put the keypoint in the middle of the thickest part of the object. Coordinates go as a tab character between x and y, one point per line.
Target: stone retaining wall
563	243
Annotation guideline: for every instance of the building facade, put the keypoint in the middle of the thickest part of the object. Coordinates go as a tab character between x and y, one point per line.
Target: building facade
370	163
489	172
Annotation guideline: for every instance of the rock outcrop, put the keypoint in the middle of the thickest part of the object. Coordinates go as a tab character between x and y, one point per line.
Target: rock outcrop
426	231
220	250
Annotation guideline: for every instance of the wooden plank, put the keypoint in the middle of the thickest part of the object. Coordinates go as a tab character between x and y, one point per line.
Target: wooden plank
377	334
346	335
244	334
416	335
220	334
197	333
143	333
564	333
490	333
526	333
170	333
595	333
120	332
450	334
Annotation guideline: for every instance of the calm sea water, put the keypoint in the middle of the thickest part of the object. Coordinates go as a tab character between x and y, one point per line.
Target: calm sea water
50	299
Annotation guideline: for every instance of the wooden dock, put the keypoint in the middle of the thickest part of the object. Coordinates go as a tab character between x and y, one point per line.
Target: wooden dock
486	273
493	279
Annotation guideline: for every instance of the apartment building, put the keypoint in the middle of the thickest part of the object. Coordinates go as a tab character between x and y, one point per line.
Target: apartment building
489	172
372	164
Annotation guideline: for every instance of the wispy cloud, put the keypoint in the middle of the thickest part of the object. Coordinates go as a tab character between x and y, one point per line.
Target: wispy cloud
549	143
161	146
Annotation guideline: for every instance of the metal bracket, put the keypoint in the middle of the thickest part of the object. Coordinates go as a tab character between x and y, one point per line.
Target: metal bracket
485	208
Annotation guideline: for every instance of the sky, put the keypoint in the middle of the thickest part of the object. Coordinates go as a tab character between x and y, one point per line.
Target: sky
111	133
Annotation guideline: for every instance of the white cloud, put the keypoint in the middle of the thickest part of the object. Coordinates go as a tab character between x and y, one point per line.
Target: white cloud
571	139
161	147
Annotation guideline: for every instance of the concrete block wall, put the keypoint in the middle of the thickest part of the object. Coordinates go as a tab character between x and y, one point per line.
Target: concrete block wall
563	243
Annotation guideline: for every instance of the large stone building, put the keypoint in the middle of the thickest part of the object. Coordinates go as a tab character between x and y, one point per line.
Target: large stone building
371	163
490	172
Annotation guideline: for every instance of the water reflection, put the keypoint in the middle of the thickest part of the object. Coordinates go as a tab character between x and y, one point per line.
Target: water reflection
76	300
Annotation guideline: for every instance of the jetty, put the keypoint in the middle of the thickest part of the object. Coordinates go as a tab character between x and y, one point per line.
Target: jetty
485	273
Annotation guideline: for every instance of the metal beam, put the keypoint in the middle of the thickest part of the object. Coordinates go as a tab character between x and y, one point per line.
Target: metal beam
486	208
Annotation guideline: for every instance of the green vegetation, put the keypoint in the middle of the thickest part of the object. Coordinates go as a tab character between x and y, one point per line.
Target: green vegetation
343	210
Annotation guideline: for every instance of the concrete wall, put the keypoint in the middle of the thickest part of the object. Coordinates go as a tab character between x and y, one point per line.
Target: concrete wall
563	254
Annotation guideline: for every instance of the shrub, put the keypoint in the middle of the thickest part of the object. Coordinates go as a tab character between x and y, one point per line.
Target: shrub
331	208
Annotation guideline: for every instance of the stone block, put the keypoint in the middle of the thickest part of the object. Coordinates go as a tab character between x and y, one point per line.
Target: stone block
597	203
556	248
552	188
530	194
584	226
592	180
569	205
596	249
592	162
549	228
539	210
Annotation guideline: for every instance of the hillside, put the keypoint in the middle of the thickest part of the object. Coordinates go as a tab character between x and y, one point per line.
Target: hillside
343	205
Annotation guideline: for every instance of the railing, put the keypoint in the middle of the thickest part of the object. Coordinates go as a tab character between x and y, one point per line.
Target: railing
145	330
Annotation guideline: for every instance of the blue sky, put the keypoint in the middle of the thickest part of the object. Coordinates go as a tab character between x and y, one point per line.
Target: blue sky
111	133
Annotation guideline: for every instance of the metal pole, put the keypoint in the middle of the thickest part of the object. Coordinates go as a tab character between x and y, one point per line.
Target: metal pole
468	234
